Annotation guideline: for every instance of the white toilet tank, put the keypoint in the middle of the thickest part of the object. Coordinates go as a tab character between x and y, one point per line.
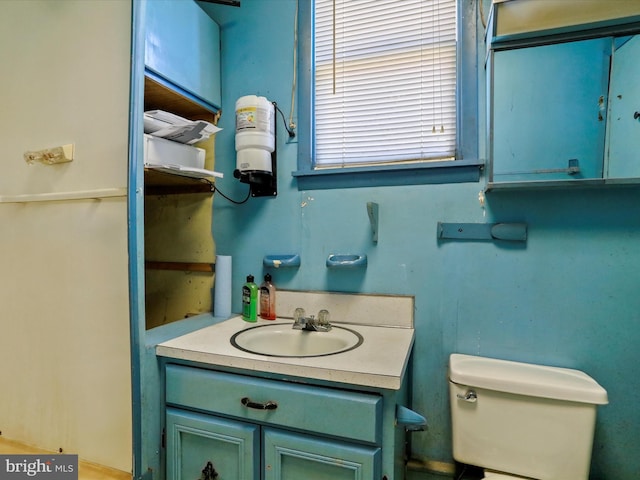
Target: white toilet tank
527	420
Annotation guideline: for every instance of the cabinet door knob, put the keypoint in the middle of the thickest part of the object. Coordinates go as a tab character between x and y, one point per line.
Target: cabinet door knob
636	115
269	405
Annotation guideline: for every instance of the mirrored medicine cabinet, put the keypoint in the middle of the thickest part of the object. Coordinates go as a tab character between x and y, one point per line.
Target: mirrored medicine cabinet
564	106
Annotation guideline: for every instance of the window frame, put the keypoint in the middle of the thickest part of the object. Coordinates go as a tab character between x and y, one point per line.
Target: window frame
466	167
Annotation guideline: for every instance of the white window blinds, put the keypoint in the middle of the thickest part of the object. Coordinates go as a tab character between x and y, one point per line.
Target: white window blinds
385	81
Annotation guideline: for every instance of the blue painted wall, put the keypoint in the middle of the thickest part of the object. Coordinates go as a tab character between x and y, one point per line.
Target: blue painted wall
570	297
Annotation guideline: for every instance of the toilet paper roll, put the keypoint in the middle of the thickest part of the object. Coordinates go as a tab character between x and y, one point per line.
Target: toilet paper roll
222	287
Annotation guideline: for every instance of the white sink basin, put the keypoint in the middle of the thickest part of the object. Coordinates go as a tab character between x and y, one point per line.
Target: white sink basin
281	340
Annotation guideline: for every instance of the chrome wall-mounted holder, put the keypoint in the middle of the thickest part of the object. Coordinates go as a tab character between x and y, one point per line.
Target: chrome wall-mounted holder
573	168
510	232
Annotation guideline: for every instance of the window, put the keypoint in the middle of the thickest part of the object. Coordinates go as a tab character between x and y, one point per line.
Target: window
383	87
385	81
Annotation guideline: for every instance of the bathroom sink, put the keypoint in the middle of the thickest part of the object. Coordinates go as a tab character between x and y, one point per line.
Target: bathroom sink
281	340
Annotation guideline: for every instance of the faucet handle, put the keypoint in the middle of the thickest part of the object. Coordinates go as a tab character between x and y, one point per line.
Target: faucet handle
323	317
298	315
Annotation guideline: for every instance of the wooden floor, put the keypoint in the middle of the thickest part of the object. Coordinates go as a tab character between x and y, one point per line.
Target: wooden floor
87	471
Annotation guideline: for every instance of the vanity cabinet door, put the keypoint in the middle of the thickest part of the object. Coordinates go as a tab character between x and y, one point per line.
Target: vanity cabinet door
549	111
291	456
199	443
182	46
624	116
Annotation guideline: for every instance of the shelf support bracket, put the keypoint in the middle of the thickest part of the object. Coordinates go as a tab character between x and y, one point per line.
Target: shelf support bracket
511	232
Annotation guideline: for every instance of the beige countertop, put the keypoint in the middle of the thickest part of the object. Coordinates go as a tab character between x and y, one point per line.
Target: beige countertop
380	361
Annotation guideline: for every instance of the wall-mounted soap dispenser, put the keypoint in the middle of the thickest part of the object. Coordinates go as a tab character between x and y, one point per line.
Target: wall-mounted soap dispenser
256	145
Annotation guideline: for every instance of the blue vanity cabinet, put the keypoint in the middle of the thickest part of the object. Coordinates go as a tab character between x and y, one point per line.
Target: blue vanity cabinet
549	106
272	429
182	47
291	456
196	443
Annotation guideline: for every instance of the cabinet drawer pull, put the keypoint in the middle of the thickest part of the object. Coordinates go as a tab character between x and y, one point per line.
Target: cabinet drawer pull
269	405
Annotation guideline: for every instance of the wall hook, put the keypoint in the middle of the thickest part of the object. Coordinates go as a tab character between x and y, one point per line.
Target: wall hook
372	211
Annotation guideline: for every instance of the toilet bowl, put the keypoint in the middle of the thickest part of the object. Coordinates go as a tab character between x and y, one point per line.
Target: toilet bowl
522	421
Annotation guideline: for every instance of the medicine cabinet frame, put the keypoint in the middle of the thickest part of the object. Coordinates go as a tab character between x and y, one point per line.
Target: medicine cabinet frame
503	129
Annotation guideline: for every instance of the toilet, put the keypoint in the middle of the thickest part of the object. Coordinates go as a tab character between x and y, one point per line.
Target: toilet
518	420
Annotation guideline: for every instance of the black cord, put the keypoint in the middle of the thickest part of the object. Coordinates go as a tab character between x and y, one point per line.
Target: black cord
286	127
216	189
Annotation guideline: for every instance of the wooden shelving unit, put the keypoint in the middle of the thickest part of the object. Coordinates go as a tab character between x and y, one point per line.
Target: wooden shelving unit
179	246
161	183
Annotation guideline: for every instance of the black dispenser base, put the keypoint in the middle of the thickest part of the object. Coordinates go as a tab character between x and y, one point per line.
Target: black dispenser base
262	184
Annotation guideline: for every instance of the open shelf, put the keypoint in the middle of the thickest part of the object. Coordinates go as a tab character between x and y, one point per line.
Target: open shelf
159	97
162	183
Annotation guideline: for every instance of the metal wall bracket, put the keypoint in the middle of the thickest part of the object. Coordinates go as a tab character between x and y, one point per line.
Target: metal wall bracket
511	232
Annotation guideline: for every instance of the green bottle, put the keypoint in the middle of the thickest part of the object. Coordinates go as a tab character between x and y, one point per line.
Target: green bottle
250	300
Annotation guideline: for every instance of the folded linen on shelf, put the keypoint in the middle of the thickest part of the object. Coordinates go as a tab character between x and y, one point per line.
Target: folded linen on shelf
176	128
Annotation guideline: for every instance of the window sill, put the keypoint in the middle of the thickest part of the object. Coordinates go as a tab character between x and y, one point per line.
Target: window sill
457	171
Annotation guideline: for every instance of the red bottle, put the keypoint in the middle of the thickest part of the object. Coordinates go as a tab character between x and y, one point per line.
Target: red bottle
267	299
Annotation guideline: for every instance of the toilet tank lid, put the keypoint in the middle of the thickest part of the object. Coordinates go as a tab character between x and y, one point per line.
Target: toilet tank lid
525	379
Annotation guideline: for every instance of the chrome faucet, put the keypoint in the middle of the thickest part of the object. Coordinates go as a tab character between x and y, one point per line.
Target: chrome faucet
311	323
